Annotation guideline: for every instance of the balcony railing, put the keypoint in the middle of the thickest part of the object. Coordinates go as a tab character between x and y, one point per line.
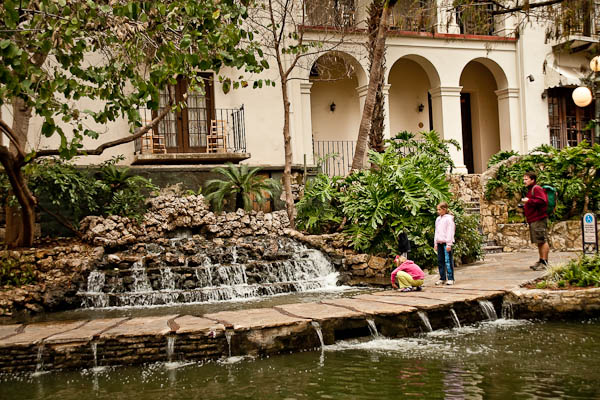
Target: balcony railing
330	13
170	133
336	156
413	16
476	19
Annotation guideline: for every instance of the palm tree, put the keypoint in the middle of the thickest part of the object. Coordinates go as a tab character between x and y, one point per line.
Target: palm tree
241	182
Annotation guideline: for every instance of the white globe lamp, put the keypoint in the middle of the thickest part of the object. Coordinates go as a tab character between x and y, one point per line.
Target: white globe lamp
582	96
595	64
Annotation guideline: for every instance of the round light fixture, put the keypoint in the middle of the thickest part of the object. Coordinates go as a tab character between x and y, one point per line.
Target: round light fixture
595	64
582	96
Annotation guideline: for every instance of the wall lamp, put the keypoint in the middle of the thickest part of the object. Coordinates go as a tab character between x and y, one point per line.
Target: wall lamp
530	78
420	107
332	106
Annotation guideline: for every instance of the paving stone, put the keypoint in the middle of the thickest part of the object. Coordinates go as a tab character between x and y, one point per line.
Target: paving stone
86	332
258	318
319	311
8	330
191	324
410	301
370	307
444	296
143	326
37	332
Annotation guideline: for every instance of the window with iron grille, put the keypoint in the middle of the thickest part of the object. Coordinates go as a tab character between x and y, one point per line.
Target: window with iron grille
568	124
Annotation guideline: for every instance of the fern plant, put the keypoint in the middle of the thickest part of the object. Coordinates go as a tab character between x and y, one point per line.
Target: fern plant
241	183
319	208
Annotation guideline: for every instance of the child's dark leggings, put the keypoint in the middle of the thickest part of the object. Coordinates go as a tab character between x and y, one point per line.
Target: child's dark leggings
445	262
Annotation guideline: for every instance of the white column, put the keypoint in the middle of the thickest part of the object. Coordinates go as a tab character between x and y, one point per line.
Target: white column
386	111
447	121
508	118
362	96
307	135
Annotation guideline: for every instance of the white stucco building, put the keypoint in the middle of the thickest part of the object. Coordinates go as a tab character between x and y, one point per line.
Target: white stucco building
483	87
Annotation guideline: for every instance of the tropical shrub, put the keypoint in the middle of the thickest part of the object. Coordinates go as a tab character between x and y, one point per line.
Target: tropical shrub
242	184
581	272
12	273
501	156
398	194
573	171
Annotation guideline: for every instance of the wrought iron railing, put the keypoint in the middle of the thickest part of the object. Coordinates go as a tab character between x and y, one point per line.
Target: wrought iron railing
571	132
413	15
476	19
334	156
330	13
171	133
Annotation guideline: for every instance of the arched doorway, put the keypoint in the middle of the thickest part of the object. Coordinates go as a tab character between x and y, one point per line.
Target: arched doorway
335	109
479	115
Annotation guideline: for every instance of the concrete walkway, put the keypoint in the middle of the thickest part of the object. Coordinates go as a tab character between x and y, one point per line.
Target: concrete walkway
291	327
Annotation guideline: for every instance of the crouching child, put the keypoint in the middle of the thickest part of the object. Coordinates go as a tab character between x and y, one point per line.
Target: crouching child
407	276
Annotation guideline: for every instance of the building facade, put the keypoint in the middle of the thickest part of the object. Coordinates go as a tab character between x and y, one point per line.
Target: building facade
464	74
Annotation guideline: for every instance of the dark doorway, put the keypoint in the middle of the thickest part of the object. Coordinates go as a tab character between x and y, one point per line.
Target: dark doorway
430	111
467	132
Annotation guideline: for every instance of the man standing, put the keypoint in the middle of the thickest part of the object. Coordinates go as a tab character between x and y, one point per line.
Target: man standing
535	206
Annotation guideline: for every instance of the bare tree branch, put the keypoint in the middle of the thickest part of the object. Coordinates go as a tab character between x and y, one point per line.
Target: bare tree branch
526	7
11	135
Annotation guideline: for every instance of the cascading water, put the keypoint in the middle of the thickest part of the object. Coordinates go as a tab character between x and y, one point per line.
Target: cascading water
373	328
425	320
317	327
39	366
228	334
488	309
507	311
197	270
170	348
455	318
94	347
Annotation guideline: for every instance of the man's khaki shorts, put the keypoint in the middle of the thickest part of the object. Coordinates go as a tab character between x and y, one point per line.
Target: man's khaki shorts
538	231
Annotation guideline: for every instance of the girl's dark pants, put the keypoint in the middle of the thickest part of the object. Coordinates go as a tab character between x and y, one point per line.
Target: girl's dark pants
445	263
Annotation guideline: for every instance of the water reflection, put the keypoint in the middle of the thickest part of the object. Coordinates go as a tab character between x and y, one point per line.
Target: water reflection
497	359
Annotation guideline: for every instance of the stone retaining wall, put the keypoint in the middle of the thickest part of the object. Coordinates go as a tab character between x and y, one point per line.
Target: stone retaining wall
552	304
563	236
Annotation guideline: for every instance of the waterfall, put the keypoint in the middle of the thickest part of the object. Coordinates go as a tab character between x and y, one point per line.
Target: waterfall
140	279
507	311
228	334
488	309
317	327
425	319
39	366
373	328
455	318
171	348
94	346
167	279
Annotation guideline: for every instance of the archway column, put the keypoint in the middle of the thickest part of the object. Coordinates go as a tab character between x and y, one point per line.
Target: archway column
508	118
445	102
307	134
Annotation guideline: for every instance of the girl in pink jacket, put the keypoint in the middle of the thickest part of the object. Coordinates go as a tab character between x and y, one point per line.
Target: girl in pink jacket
407	276
443	242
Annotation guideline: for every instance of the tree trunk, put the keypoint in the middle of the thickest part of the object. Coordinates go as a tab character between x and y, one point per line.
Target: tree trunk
378	120
20	223
287	144
374	77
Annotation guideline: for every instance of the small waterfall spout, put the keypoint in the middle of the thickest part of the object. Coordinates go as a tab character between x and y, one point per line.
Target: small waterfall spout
228	335
507	311
39	366
171	348
455	318
317	327
425	319
94	346
488	309
373	328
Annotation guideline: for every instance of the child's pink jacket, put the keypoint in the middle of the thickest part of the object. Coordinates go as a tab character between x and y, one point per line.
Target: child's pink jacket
410	268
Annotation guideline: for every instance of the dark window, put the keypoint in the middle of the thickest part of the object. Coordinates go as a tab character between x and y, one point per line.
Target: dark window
568	124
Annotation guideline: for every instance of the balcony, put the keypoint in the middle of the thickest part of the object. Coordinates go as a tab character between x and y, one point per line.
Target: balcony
195	134
330	13
578	29
413	16
476	19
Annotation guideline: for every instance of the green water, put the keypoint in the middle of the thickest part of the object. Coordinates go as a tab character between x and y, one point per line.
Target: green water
492	360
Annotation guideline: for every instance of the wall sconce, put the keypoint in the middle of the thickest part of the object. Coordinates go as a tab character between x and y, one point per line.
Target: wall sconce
420	107
332	106
530	78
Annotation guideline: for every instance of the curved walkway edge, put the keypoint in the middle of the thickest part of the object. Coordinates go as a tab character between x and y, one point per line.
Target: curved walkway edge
480	289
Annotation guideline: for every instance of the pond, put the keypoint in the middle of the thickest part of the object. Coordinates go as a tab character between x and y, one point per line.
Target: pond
496	359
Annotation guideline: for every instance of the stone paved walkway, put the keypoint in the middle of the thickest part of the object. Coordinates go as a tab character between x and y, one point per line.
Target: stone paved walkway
494	276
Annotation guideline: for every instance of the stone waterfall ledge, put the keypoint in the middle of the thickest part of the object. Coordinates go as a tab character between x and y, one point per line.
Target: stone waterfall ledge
563	236
258	332
169	213
542	303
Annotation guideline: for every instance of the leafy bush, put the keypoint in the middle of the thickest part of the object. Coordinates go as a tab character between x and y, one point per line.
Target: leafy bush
582	272
501	156
242	184
573	171
398	194
14	274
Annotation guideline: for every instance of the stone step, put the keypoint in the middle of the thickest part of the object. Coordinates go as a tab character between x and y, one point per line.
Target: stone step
492	249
